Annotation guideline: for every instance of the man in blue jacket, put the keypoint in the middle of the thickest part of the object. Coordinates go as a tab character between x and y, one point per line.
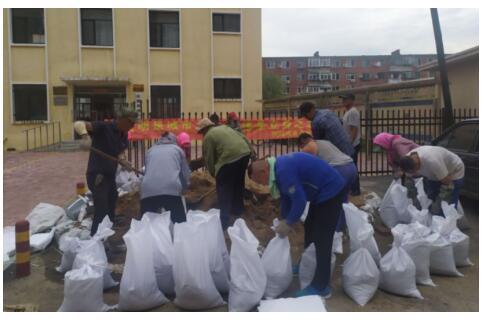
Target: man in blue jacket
297	178
327	126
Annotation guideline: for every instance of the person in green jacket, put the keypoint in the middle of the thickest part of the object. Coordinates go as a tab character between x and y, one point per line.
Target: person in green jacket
226	154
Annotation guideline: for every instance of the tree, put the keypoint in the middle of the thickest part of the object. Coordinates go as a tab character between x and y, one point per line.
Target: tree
272	86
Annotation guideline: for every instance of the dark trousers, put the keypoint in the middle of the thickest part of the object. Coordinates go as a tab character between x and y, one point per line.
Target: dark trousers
320	226
230	182
355	188
433	191
171	203
350	174
104	198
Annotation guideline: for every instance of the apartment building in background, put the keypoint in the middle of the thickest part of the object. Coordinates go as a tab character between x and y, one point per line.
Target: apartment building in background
315	74
70	64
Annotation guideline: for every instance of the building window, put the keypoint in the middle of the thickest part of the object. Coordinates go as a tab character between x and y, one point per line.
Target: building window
324	76
285	64
300	76
227	88
285	78
164	29
299	90
286	90
365	63
300	64
334	76
30	102
165	102
313	76
351	76
349	63
28	26
96	27
365	76
380	75
270	65
226	22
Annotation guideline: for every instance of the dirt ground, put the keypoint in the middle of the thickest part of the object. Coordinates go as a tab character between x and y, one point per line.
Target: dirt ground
44	287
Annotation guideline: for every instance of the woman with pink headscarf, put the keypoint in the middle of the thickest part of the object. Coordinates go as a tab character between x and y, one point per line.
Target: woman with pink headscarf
184	142
396	147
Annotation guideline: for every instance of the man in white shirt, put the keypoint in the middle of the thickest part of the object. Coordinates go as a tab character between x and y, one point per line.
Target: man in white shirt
443	169
351	121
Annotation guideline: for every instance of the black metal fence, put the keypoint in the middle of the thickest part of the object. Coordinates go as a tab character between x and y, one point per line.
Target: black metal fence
421	126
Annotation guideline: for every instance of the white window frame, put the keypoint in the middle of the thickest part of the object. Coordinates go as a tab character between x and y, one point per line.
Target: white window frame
270	64
351	76
285	64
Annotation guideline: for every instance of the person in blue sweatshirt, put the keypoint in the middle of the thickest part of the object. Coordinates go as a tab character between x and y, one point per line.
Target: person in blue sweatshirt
297	178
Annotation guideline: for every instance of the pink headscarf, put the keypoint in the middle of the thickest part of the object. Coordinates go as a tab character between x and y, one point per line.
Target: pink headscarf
183	139
385	140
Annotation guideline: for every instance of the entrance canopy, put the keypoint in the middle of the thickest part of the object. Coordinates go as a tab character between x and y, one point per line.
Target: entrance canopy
96	81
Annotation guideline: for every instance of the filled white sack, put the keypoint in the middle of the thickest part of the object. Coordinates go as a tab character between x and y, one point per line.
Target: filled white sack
397	271
70	246
92	252
83	291
138	287
413	242
356	221
8	240
309	303
43	217
422	216
40	241
217	250
247	275
162	245
308	264
277	265
393	209
447	228
441	256
337	243
194	286
422	197
360	275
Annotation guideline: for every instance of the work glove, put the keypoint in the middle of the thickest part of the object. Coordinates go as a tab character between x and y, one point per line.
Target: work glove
85	142
283	229
80	128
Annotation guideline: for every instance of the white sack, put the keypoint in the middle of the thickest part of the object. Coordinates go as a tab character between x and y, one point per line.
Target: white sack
44	216
422	197
8	240
360	275
215	245
83	291
92	252
70	246
357	220
194	286
40	241
393	209
423	216
277	265
397	272
441	256
162	245
138	286
308	264
309	303
247	275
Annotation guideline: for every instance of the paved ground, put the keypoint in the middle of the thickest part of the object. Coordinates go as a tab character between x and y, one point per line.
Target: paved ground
451	294
33	177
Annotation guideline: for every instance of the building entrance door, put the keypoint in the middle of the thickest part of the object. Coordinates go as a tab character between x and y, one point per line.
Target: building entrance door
98	103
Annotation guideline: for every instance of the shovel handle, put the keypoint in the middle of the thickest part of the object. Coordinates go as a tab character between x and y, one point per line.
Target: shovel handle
115	159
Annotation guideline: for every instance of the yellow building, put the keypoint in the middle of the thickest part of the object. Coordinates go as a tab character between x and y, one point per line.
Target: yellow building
68	64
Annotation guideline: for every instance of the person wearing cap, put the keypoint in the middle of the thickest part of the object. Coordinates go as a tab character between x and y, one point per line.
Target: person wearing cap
184	142
352	125
111	138
443	169
341	162
327	126
166	177
233	122
297	178
226	154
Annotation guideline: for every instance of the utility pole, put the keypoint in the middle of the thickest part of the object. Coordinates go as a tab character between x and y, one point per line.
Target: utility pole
447	115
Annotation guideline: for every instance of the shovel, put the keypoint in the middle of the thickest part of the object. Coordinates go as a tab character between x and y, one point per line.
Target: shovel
115	159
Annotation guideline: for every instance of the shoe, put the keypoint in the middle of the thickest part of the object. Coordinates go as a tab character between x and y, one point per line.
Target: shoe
295	268
310	290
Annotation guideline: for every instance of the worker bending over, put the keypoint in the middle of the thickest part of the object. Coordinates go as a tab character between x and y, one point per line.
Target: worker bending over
297	178
342	163
166	177
111	138
443	169
226	154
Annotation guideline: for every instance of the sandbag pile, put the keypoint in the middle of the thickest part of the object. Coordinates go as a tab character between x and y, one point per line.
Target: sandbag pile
393	209
127	181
